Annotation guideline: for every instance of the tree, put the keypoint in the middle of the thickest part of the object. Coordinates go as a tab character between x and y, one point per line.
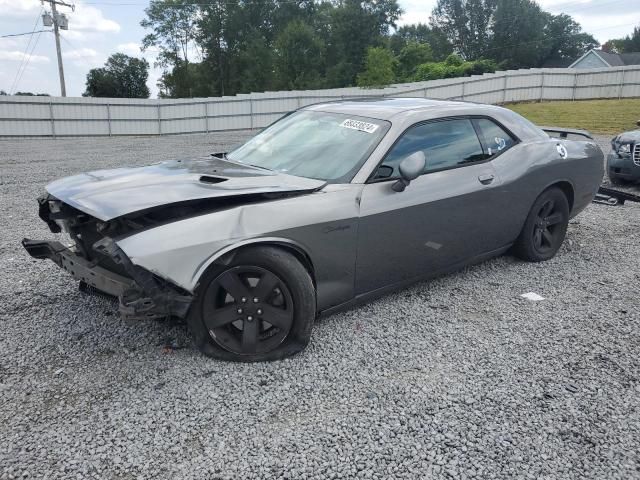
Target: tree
121	77
299	56
379	68
173	25
466	24
454	66
424	34
354	27
627	44
255	64
518	37
514	33
565	40
255	45
412	55
180	83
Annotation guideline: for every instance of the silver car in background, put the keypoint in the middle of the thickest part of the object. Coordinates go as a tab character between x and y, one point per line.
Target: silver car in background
332	205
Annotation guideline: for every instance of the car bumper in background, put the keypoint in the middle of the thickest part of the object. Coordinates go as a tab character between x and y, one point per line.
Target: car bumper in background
622	167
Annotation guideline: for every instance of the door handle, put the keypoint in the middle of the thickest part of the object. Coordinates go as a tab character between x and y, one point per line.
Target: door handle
486	178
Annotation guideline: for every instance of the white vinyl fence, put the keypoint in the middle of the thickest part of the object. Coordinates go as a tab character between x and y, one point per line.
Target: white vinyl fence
57	116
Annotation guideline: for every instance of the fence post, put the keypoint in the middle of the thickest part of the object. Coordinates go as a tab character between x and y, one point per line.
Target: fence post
159	120
505	78
463	84
425	92
575	86
206	116
251	113
542	88
53	122
621	84
109	117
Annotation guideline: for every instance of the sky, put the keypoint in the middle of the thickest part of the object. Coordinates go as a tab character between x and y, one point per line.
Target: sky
98	28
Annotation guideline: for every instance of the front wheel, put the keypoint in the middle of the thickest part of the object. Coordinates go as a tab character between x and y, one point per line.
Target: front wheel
261	306
545	227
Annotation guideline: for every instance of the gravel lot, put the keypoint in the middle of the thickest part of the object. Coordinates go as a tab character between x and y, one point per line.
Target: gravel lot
457	377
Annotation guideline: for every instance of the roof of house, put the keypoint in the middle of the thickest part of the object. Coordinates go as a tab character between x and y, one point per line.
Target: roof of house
631	58
613	59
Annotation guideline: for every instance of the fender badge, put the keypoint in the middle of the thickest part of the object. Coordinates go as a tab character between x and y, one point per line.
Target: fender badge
562	150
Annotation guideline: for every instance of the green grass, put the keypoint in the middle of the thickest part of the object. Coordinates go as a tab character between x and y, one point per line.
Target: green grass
597	116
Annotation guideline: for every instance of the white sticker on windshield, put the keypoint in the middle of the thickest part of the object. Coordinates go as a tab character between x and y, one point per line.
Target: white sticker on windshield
358	125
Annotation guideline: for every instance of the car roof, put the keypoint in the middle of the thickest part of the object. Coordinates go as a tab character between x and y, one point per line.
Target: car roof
405	112
386	108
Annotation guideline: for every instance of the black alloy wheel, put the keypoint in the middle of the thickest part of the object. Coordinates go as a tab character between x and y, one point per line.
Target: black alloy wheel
544	228
548	231
249	310
259	304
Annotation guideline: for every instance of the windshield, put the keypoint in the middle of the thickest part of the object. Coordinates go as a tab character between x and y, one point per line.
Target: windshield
325	146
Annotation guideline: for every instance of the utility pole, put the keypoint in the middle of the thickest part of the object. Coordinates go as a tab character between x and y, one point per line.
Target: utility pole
60	22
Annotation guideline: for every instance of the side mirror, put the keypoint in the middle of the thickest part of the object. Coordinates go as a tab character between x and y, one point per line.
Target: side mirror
410	168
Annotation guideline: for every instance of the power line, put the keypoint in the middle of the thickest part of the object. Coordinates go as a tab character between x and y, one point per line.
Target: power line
24	55
88	61
35	44
25	33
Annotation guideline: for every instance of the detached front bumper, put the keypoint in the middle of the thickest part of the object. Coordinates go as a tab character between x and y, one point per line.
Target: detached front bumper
141	296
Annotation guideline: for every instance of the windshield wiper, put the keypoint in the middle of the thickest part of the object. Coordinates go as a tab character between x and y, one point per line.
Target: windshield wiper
223	155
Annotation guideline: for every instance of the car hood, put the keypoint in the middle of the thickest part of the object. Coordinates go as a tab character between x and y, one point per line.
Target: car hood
108	194
628	137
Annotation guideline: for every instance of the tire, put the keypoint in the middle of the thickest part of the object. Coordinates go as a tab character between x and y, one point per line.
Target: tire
545	227
229	317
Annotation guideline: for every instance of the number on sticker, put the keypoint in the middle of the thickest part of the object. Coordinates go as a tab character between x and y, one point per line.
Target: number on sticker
359	125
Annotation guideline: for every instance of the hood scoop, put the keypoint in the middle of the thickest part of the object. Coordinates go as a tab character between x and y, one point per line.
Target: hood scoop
211	179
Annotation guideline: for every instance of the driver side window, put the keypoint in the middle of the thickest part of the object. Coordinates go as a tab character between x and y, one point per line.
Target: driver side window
446	144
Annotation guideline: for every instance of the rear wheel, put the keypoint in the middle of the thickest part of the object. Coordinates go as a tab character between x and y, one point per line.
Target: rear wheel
545	227
261	306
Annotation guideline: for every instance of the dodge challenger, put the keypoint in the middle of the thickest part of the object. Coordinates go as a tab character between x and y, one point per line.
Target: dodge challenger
333	204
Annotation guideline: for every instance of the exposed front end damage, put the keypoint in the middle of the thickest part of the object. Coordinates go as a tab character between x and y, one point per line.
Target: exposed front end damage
96	260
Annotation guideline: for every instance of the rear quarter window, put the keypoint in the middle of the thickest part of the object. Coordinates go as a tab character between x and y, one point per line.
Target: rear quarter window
493	137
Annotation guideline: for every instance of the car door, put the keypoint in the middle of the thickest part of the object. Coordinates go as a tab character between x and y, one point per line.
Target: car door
443	218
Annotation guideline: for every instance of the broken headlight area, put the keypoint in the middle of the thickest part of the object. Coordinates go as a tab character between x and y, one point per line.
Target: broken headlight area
101	266
623	149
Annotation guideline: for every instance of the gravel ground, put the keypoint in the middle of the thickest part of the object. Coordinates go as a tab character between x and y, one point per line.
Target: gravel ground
453	378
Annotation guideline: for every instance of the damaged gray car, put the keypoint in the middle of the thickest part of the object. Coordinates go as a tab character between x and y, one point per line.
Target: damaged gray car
332	205
623	163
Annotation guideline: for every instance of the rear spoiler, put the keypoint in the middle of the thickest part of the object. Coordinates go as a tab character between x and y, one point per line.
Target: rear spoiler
565	132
